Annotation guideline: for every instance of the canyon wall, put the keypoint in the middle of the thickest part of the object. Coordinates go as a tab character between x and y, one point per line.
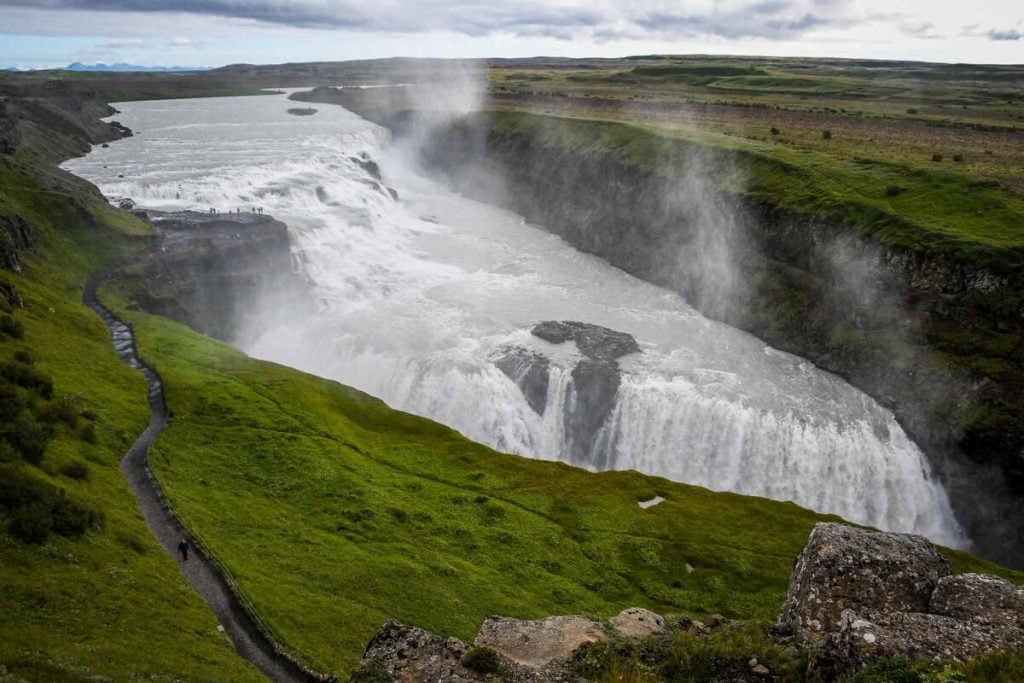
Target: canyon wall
933	334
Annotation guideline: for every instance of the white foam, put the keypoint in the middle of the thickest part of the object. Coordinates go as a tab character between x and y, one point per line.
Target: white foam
415	311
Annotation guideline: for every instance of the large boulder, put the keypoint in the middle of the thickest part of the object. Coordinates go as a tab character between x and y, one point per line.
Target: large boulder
843	568
857	595
979	598
637	622
410	654
919	636
538	643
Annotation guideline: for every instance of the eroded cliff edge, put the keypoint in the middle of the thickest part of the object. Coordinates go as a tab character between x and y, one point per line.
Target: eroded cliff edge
931	330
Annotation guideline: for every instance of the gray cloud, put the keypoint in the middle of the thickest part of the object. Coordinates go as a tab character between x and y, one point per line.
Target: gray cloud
1009	34
561	19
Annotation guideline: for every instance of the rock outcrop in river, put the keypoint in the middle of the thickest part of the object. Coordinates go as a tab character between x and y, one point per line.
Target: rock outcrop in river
210	271
912	327
595	381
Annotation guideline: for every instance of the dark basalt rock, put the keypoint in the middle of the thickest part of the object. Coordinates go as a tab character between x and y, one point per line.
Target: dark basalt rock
222	274
595	382
593	341
16	234
856	596
368	165
531	372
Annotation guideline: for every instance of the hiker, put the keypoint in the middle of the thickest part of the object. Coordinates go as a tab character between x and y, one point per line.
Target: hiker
183	549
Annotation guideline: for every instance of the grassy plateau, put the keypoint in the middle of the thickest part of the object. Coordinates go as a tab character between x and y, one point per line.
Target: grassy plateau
332	512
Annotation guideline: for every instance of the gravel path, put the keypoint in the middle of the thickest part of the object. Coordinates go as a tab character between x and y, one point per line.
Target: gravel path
249	640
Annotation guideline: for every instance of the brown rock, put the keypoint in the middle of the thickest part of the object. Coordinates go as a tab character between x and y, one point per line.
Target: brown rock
540	642
636	622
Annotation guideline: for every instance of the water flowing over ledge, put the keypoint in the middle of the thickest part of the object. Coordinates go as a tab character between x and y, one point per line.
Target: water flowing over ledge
418	297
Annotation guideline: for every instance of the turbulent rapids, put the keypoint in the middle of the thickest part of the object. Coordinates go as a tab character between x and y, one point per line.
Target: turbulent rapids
429	301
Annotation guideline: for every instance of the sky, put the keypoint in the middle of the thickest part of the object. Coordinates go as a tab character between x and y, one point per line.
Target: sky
50	33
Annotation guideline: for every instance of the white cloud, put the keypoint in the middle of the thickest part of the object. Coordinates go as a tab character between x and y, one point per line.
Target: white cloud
122	43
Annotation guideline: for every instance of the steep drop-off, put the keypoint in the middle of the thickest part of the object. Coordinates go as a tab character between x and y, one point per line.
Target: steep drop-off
931	328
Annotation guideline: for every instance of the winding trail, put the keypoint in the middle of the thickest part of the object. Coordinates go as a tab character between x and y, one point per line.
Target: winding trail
250	641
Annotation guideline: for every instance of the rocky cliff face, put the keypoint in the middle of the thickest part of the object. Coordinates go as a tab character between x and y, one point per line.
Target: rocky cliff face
223	275
855	596
60	118
937	339
595	381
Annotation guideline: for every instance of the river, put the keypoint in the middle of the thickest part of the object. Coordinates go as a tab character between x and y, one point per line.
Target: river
418	297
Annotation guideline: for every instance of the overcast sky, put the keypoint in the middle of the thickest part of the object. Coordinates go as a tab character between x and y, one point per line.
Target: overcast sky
46	33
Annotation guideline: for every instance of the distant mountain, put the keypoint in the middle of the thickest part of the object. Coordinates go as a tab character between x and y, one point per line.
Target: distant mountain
78	66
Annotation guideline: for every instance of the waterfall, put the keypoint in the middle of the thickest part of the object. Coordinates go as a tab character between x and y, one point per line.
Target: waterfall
421	299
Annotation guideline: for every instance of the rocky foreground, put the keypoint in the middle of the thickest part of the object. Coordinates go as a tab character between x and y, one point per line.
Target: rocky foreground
854	597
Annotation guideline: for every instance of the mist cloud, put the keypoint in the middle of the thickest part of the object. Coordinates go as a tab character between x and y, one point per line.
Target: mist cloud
560	19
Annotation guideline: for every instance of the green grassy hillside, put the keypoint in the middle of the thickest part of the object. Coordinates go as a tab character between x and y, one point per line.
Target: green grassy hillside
329	511
913	206
334	513
103	600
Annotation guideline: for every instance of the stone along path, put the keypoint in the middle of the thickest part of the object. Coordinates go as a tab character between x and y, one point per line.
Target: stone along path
250	641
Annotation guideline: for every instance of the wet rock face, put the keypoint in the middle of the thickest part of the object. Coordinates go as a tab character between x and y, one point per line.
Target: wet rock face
222	274
595	381
9	137
593	341
531	372
856	595
16	234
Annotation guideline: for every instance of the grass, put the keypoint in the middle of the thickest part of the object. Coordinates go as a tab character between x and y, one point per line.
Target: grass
330	511
334	513
110	603
935	209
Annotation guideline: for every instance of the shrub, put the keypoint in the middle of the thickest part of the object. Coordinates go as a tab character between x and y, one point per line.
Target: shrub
27	377
88	432
10	403
936	157
889	670
7	452
37	508
71	519
11	328
28	437
32	523
996	667
958	157
24	357
893	190
911	111
372	671
59	411
775	131
76	470
483	660
826	134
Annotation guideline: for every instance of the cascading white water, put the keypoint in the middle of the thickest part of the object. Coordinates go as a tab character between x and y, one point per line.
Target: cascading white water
417	298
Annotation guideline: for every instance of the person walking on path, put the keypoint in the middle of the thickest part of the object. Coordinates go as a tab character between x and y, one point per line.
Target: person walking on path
183	549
